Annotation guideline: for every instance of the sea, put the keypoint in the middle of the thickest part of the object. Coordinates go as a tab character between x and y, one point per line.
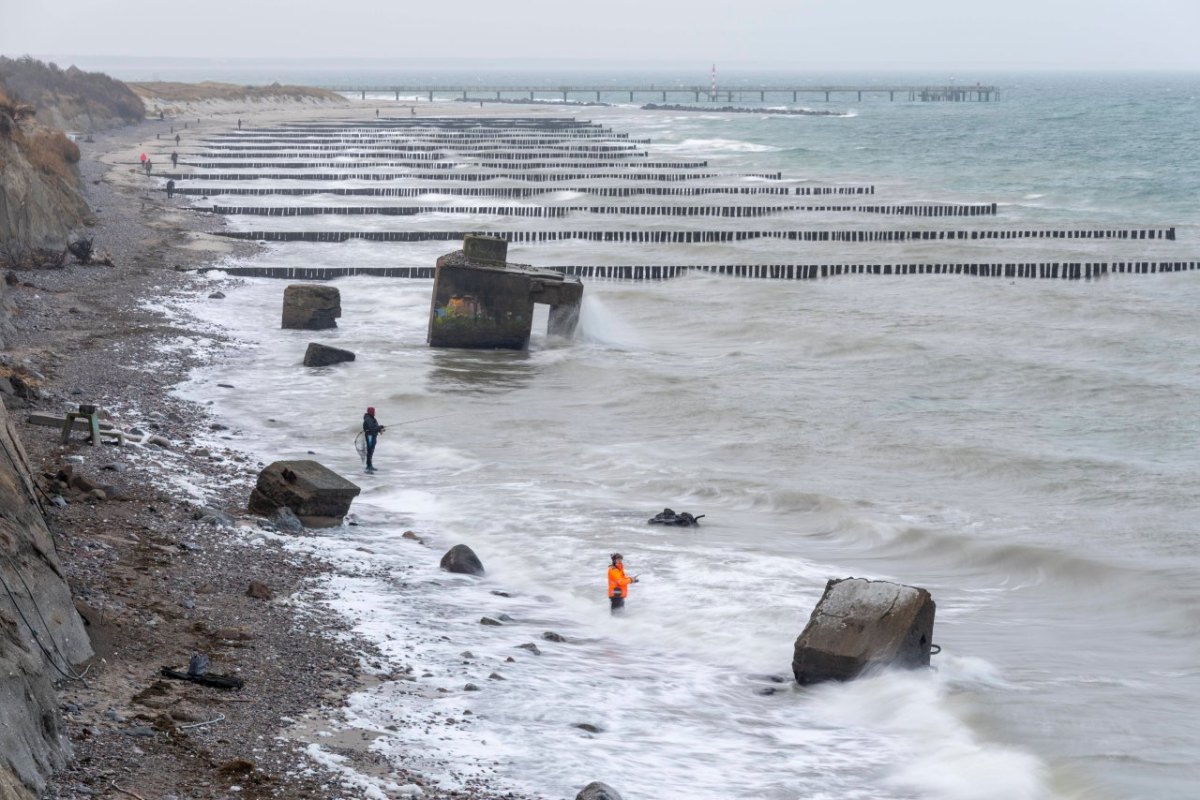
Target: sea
1026	450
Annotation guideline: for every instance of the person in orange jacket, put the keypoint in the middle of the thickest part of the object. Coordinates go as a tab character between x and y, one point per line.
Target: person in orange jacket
618	583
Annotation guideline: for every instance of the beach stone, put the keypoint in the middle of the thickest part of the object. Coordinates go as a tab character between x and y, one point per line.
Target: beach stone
587	726
259	591
860	624
311	308
319	497
286	520
462	559
531	647
551	636
598	791
322	355
217	296
213	516
488	621
159	441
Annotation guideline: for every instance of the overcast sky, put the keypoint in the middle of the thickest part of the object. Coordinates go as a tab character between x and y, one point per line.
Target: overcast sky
800	34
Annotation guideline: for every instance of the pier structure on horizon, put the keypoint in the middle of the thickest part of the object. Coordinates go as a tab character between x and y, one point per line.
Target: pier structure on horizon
956	93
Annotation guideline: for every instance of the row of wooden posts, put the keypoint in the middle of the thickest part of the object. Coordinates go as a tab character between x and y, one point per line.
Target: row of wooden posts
1071	270
440	138
661	177
233	150
559	212
431	163
524	191
712	236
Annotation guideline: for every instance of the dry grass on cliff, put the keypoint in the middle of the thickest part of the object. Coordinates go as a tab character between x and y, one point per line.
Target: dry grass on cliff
53	153
210	90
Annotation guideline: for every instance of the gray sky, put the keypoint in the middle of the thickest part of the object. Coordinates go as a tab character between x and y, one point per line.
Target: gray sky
802	34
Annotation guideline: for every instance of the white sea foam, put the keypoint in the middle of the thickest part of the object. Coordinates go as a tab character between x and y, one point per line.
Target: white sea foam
867	427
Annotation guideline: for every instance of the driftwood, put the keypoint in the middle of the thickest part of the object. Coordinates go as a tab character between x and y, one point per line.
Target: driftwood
214	680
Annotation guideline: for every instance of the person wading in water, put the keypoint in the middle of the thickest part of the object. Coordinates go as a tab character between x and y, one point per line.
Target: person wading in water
618	583
371	431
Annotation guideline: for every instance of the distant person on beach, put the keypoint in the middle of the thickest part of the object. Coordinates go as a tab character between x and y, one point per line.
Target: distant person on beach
149	165
377	113
174	159
618	583
177	140
371	431
170	188
413	109
239	124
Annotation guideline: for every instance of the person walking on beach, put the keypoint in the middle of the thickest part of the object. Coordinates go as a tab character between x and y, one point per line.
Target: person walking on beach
177	140
170	188
618	583
371	431
149	165
174	159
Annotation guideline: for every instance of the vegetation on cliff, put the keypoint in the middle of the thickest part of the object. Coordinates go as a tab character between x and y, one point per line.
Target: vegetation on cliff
70	98
41	200
175	93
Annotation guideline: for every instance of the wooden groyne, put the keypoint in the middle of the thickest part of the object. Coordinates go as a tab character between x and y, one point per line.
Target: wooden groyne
526	191
661	177
422	159
418	165
952	93
1051	270
984	209
257	150
711	236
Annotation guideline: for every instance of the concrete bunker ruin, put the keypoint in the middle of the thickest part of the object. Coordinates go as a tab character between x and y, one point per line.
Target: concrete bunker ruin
481	301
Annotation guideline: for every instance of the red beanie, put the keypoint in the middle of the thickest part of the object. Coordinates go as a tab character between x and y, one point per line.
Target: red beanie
371	410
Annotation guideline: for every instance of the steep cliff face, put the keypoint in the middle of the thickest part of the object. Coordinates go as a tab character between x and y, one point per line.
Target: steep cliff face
41	634
41	200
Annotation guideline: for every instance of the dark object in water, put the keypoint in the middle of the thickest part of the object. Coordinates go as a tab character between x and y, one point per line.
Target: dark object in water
669	517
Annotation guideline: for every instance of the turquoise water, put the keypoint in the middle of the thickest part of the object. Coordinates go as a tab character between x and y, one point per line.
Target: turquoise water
1026	450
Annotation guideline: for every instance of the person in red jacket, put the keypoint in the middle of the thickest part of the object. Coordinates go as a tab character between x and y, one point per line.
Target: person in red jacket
618	583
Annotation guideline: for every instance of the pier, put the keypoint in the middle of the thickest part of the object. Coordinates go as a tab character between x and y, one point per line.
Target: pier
951	93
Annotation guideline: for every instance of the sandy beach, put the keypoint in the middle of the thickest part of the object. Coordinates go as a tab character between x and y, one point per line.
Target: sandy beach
162	560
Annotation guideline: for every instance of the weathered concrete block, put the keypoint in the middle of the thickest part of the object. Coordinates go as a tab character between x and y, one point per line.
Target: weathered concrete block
598	791
462	559
484	305
322	355
309	307
316	494
859	624
485	249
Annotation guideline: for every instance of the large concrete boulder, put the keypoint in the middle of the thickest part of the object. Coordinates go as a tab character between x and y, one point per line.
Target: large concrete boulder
322	355
311	308
462	559
316	494
859	624
598	791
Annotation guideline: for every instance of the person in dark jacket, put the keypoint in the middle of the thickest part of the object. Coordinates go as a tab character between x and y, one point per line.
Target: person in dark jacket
371	431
